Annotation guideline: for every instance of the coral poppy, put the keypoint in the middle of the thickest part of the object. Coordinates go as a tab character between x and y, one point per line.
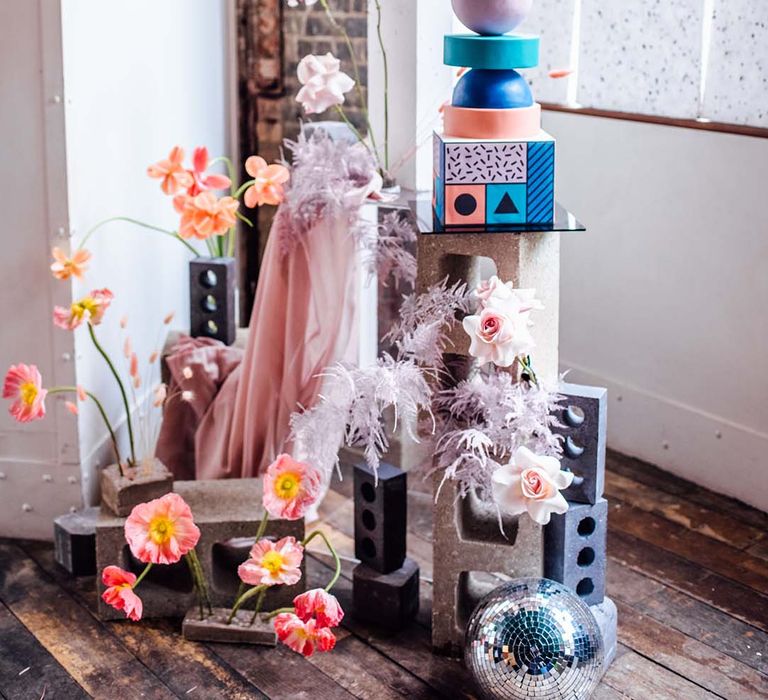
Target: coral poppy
290	487
268	185
90	309
202	180
24	384
204	216
320	605
273	563
172	172
161	531
120	594
303	637
64	267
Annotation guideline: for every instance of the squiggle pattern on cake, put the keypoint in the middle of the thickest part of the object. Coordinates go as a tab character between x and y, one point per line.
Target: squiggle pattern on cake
485	163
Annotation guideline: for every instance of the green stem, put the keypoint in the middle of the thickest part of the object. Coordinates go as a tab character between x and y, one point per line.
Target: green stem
196	583
142	575
357	134
172	234
262	526
242	599
259	603
203	584
122	391
69	389
386	86
243	188
527	368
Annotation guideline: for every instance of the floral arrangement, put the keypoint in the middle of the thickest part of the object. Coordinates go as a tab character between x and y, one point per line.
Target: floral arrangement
163	531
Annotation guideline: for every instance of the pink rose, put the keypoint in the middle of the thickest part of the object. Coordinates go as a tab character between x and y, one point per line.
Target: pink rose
323	83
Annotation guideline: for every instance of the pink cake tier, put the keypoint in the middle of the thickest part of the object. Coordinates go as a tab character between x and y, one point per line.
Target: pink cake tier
471	123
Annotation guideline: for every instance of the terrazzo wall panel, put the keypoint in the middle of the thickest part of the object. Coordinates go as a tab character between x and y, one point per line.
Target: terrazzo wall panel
737	72
553	21
642	57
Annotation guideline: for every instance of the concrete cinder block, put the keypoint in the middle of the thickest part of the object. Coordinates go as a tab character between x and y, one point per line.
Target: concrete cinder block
574	549
390	600
607	620
147	481
584	415
228	513
380	516
467	541
214	628
74	537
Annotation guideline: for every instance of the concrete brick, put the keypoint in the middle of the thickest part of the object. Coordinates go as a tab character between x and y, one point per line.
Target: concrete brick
380	516
467	540
228	513
584	414
74	537
120	494
607	620
390	600
214	628
574	549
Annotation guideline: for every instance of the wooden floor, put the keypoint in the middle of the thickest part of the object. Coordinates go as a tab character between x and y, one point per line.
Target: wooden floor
687	569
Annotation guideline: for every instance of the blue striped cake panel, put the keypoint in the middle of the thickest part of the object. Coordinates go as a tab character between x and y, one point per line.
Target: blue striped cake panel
541	182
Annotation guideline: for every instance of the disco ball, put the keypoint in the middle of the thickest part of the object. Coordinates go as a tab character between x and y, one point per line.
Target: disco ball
533	638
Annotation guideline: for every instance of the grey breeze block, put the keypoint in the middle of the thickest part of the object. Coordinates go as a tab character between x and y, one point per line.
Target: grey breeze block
574	549
584	415
228	513
467	541
74	537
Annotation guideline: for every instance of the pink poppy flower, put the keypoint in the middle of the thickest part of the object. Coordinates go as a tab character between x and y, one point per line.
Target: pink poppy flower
24	384
119	593
172	172
90	309
204	216
303	637
64	267
161	531
273	563
201	180
290	487
320	605
268	188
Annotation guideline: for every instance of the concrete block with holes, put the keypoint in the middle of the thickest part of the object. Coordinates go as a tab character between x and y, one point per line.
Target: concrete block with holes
228	513
574	546
468	546
584	418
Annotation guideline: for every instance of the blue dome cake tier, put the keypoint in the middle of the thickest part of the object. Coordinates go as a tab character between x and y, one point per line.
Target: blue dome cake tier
492	89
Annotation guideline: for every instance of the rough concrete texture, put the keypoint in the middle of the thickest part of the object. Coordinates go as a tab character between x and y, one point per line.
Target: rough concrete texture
381	508
390	600
228	513
607	620
141	484
584	415
214	628
74	538
574	549
467	540
529	260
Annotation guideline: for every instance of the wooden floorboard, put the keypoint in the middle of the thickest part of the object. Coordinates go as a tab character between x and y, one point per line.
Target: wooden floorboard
687	568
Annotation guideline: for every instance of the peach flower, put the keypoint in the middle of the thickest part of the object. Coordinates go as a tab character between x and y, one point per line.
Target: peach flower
323	83
161	531
303	637
172	172
202	180
90	309
119	593
273	563
320	605
64	267
204	216
24	384
290	487
71	407
268	185
532	483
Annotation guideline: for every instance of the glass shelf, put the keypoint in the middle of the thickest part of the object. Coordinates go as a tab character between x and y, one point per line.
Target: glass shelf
422	209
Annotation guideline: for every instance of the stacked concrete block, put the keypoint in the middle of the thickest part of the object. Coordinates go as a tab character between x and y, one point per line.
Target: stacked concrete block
386	582
467	543
74	538
228	513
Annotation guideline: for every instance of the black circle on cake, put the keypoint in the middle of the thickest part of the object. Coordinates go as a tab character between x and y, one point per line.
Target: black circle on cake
465	204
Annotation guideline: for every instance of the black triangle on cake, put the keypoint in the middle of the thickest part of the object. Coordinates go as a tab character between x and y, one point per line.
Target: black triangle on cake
507	206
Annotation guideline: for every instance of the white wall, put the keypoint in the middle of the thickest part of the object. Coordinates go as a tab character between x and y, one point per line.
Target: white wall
664	299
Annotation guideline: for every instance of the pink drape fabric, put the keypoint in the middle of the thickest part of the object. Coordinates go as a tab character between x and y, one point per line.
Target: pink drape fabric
303	320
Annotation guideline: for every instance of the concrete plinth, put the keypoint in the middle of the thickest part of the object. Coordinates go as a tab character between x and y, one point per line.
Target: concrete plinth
390	600
74	537
145	482
607	620
228	513
214	628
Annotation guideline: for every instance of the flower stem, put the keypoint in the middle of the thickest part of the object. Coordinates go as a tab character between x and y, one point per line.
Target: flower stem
262	526
202	585
243	188
142	575
259	603
242	599
172	234
386	86
355	131
527	369
68	389
334	554
122	391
